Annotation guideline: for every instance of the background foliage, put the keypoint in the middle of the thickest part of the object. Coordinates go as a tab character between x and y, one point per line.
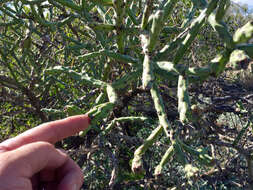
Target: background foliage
167	83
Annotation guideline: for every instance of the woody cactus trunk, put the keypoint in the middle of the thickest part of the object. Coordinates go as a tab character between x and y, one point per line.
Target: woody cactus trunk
115	48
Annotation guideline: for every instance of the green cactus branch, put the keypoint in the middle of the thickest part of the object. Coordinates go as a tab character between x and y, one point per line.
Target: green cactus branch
117	56
137	165
217	65
132	16
102	2
171	30
111	93
200	154
32	2
201	4
5	11
189	17
98	113
51	24
121	57
103	13
163	53
221	28
181	69
222	9
120	10
165	159
126	43
243	34
214	68
157	25
160	109
193	30
167	9
147	74
101	26
70	5
124	81
148	44
89	56
81	78
100	98
184	105
71	110
11	23
146	13
123	119
96	26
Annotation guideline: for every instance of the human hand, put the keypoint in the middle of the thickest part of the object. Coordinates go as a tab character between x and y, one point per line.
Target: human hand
29	161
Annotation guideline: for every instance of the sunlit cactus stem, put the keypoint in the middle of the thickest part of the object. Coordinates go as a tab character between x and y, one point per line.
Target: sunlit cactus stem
101	26
80	77
88	56
137	165
222	30
111	93
71	110
147	74
194	29
184	107
157	26
160	109
163	53
109	47
217	65
244	34
123	119
120	9
126	79
215	19
100	99
166	157
97	113
147	11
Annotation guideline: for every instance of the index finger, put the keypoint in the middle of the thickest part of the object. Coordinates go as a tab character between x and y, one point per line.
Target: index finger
49	132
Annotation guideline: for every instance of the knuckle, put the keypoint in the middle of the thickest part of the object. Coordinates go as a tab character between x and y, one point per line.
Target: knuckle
45	145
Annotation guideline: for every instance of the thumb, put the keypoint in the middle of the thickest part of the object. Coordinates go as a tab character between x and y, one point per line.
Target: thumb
32	158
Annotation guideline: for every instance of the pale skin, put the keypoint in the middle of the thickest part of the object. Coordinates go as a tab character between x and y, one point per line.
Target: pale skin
30	161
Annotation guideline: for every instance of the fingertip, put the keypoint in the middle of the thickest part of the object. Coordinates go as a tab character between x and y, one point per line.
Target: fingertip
84	119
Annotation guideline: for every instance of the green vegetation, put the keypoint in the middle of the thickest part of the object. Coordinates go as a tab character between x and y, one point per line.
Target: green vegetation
152	75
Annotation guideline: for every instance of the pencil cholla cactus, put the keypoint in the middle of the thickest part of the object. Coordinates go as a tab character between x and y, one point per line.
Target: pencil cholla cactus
115	47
